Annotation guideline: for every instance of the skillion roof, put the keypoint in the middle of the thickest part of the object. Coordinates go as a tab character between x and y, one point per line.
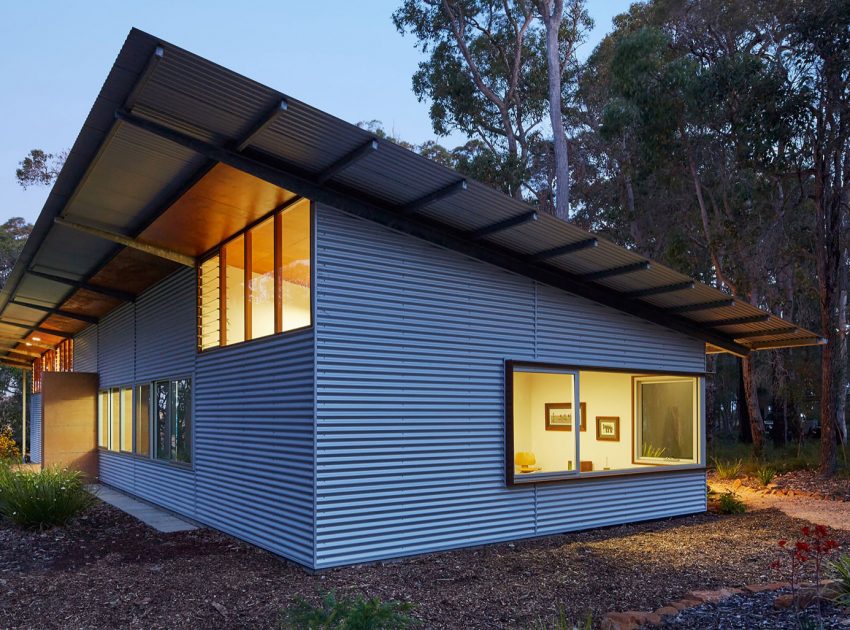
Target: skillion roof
178	151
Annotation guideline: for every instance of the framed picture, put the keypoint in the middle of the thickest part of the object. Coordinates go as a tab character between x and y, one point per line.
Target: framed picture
608	428
559	417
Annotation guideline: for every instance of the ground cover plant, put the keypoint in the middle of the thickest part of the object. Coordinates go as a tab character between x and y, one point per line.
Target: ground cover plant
41	499
347	613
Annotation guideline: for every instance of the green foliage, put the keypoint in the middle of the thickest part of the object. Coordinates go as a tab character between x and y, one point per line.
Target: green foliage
39	168
351	613
47	498
562	622
9	450
729	503
649	450
728	469
840	570
765	474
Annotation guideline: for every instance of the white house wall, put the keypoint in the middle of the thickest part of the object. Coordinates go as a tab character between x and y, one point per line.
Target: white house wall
411	342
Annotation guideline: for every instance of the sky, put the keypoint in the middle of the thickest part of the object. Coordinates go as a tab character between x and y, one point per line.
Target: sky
343	57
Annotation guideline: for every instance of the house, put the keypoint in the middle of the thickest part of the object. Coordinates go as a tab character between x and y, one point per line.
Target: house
247	311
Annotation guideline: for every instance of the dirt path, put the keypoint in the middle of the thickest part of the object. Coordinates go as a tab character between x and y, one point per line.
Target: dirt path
834	514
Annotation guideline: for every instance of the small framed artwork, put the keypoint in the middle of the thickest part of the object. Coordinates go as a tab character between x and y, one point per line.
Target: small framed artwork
608	428
559	417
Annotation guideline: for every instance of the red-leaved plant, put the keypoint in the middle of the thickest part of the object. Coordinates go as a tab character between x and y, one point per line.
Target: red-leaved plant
809	552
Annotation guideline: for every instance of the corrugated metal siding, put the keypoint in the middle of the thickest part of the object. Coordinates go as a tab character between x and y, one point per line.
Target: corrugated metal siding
117	469
254	442
166	330
115	347
35	428
411	340
85	350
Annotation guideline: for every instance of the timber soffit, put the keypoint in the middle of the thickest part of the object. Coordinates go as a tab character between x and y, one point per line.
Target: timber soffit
222	117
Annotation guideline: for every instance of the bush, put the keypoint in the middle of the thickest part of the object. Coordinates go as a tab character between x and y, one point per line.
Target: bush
765	475
729	503
728	469
42	499
355	613
9	450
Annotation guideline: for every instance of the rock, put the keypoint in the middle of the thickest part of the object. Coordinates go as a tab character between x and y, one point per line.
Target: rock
736	484
667	611
761	588
617	621
681	604
220	608
712	597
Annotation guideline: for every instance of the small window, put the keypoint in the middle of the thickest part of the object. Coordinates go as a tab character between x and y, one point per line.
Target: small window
173	420
143	419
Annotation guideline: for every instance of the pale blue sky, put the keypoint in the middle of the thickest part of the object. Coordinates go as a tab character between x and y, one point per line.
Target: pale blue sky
341	56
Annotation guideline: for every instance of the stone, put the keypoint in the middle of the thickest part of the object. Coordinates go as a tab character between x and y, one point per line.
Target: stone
681	604
783	601
736	484
771	586
713	597
667	611
617	621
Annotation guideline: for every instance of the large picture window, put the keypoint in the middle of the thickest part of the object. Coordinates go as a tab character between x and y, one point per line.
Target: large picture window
258	282
565	422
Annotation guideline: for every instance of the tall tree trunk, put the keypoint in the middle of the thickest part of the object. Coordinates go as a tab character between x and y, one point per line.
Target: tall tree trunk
841	371
752	402
744	426
552	12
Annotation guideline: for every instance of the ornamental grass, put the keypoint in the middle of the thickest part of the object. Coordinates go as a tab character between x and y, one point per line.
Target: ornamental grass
38	500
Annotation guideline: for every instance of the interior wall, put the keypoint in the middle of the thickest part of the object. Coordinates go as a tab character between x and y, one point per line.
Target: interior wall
607	394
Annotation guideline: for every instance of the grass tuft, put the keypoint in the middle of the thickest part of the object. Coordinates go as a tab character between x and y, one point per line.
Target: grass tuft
48	498
765	475
728	469
350	613
562	622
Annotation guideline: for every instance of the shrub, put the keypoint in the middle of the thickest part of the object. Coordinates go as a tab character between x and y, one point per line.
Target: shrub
9	450
729	503
355	613
42	499
765	475
728	469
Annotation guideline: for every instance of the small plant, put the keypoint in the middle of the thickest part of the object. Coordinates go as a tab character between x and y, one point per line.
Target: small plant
356	613
652	451
728	469
841	570
765	475
42	499
562	622
729	503
9	450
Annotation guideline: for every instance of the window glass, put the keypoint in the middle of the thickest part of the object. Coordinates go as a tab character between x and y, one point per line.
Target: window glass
208	302
103	419
182	414
161	416
261	284
127	419
114	419
233	255
143	419
295	266
665	420
544	423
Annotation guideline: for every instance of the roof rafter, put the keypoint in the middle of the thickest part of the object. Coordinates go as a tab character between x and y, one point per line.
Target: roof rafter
737	321
764	333
501	226
701	306
432	197
561	250
56	311
88	286
349	159
669	288
616	271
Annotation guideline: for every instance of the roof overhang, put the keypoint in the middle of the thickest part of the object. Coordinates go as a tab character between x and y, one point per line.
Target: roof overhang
148	187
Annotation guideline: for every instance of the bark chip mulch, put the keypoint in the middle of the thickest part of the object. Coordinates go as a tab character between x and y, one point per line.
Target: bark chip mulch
108	570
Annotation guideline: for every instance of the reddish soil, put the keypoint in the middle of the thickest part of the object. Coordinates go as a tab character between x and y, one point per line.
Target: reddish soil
107	570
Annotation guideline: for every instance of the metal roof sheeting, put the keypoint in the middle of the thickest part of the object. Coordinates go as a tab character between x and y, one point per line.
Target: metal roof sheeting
118	176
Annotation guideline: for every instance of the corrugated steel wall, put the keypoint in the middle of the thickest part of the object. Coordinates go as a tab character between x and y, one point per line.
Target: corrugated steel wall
253	421
35	429
254	442
85	350
411	340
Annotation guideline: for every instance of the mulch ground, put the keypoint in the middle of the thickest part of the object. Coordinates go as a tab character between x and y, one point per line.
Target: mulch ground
108	570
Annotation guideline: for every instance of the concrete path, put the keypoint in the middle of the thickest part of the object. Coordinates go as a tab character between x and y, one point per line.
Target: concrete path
150	515
834	514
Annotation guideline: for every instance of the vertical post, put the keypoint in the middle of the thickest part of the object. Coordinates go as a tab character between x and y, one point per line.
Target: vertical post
23	416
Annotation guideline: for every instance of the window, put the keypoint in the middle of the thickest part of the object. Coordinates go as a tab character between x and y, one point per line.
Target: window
258	283
143	419
566	422
115	419
173	420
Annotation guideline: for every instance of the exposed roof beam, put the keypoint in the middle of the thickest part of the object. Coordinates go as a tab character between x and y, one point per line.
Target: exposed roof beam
81	284
22	365
588	243
736	321
361	204
501	226
144	77
57	311
670	288
128	241
23	353
442	193
701	306
24	341
262	124
788	343
764	333
41	329
347	160
616	271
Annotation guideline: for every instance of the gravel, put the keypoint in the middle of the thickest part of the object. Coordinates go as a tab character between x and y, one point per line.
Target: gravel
108	570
